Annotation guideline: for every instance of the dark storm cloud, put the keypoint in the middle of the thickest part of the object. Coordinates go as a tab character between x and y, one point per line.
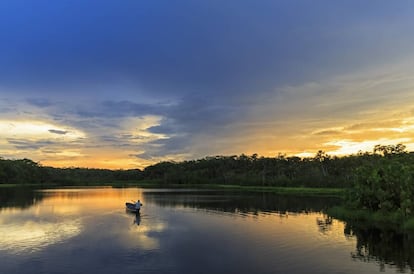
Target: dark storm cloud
164	128
163	147
198	66
144	156
39	102
116	109
57	131
29	144
127	108
190	114
181	121
220	47
194	115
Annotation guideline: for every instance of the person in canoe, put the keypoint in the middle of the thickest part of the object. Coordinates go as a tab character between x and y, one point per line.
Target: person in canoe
138	205
134	206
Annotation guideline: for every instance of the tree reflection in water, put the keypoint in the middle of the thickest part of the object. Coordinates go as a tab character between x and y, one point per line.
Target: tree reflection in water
385	246
324	224
19	197
240	202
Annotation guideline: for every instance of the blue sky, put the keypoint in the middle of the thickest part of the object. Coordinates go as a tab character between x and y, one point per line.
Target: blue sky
124	84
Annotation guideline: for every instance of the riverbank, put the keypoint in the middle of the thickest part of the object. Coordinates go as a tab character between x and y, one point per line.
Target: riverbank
24	185
306	191
366	218
298	191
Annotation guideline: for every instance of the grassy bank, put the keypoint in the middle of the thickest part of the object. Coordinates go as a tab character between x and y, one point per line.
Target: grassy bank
287	190
26	185
308	191
304	191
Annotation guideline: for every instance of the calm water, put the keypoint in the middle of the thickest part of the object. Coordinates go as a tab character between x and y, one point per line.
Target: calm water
186	231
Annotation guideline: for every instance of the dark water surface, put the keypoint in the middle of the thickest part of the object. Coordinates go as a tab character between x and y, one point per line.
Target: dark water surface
87	230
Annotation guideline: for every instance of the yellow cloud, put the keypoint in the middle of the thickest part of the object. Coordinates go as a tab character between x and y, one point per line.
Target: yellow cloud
37	130
346	147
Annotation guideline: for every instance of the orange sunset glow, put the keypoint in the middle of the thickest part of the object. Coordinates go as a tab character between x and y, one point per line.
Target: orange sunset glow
295	86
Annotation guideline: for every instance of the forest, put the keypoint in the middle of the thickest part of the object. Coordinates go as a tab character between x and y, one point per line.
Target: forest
381	180
322	170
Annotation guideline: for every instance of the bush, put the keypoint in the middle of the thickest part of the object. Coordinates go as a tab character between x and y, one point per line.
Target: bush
386	185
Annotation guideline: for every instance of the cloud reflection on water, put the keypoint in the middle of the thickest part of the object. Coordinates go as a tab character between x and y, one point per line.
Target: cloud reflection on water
32	236
141	233
178	231
62	214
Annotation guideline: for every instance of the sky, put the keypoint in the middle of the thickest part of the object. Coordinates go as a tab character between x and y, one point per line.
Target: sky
125	84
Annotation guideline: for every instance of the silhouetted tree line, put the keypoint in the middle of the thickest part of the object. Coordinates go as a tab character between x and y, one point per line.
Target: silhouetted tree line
26	171
322	170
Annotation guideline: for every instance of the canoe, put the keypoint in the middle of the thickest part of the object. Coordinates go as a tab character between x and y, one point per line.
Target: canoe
131	207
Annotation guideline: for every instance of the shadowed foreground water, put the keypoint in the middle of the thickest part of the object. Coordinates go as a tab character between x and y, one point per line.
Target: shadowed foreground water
186	231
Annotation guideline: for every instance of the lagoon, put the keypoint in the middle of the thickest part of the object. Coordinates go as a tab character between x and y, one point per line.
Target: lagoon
83	230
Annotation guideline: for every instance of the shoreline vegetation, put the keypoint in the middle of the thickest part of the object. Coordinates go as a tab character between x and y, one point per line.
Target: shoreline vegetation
369	219
297	191
376	188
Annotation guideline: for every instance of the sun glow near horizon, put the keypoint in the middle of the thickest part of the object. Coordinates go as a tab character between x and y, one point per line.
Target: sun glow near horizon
66	152
75	92
295	121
